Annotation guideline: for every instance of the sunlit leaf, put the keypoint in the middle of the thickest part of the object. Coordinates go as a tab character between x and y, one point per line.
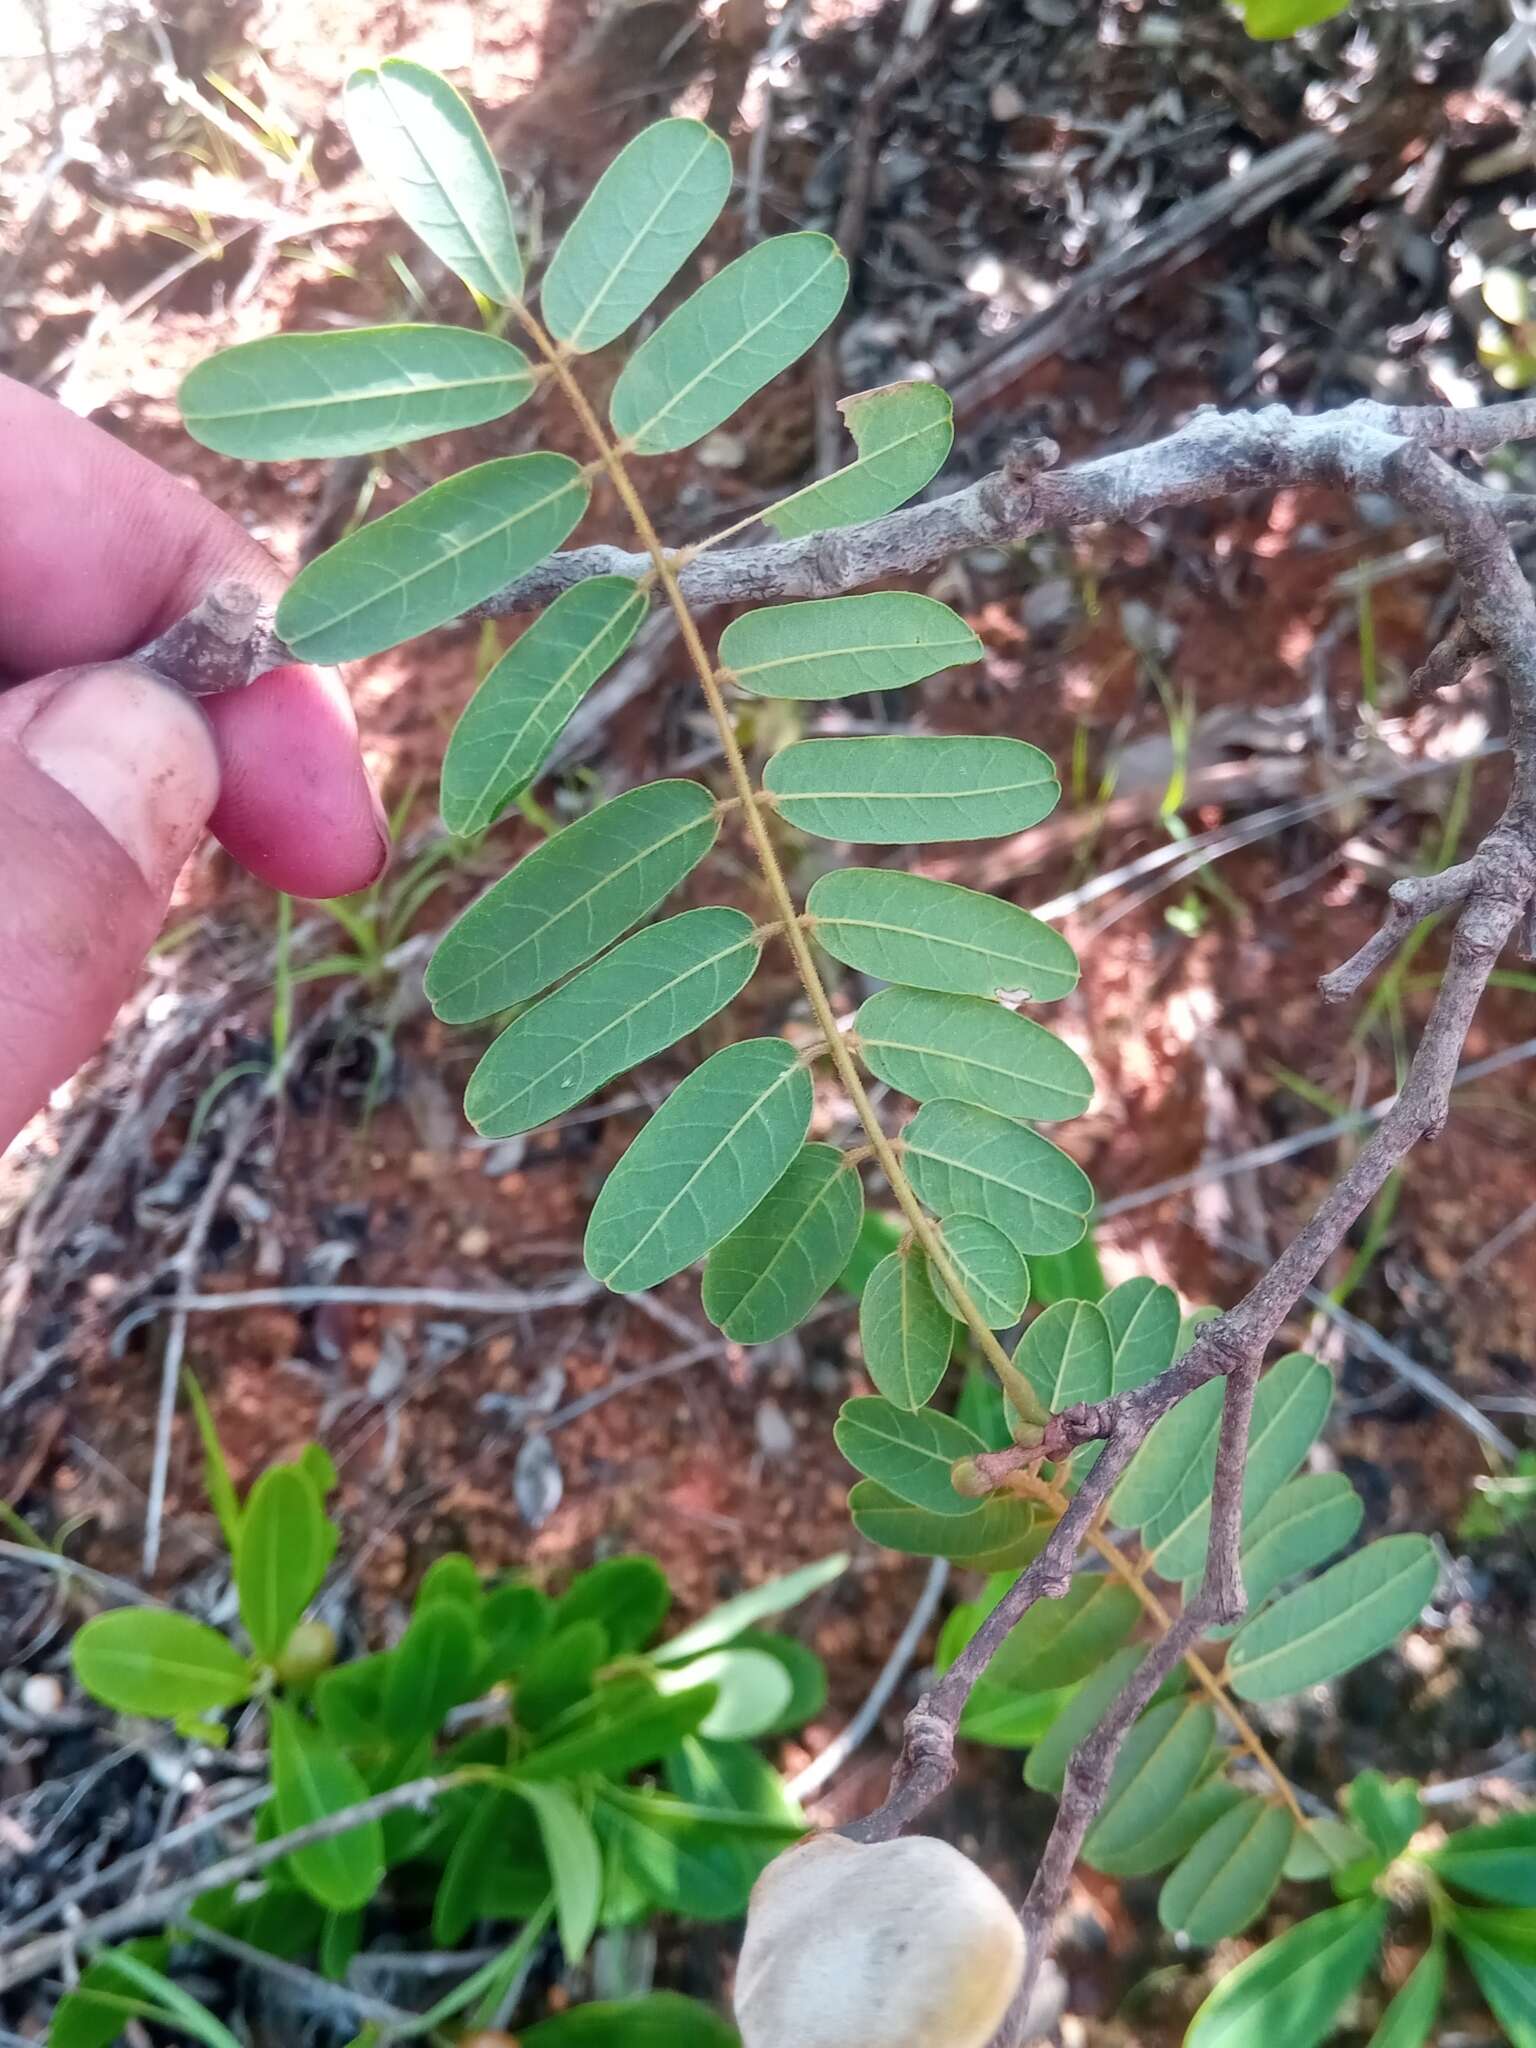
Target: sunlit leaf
575	1862
1409	2019
905	1331
641	222
1291	1991
1046	1766
1332	1623
568	898
422	144
909	1453
1057	1641
311	1780
281	1556
725	1623
988	1266
901	789
1143	1320
936	935
1268	20
752	1690
511	723
751	320
146	1660
641	997
840	646
1159	1764
965	1161
701	1165
353	391
981	1538
1289	1409
903	434
1066	1355
1224	1882
972	1050
772	1270
440	552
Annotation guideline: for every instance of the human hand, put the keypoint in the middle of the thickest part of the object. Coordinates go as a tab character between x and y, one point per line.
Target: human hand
108	777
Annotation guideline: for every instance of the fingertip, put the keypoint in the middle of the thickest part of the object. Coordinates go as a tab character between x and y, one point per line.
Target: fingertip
297	806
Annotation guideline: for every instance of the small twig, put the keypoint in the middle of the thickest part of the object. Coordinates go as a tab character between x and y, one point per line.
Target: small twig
843	1746
1222	1591
477	1301
1447	661
1409	902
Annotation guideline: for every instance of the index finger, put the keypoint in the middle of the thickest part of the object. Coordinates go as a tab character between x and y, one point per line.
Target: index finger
100	550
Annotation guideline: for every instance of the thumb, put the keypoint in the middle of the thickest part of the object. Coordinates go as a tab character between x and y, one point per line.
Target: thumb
107	778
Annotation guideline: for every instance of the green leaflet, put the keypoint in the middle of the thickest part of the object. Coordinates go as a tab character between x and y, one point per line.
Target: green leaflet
311	1781
723	1624
1301	1525
1067	1356
751	320
905	790
1224	1882
1289	1409
1170	1476
1291	1990
434	1667
1325	1845
281	1556
645	995
701	1165
989	1531
1505	1972
840	646
772	1270
973	1050
1210	1799
1332	1623
144	1660
905	1331
1497	1862
1388	1811
909	1453
628	1595
903	434
1143	1321
1059	1641
990	1269
1045	1768
971	1162
641	222
1158	1767
1268	20
568	898
352	392
418	138
936	935
575	1863
439	553
511	723
660	2019
1407	2021
752	1690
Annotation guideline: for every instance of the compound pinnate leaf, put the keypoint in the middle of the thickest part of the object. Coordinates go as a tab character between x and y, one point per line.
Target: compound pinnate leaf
641	222
973	1050
1045	1769
965	1161
977	1539
1302	1525
1059	1641
701	1165
906	1332
441	552
903	433
936	935
839	646
645	995
1289	1409
772	1270
723	1624
990	1268
753	318
1497	1862
1329	1625
905	790
1143	1319
1170	1476
909	1453
569	898
1224	1882
352	392
1407	2021
1067	1356
1159	1764
418	138
145	1660
281	1556
1293	1988
510	724
311	1780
